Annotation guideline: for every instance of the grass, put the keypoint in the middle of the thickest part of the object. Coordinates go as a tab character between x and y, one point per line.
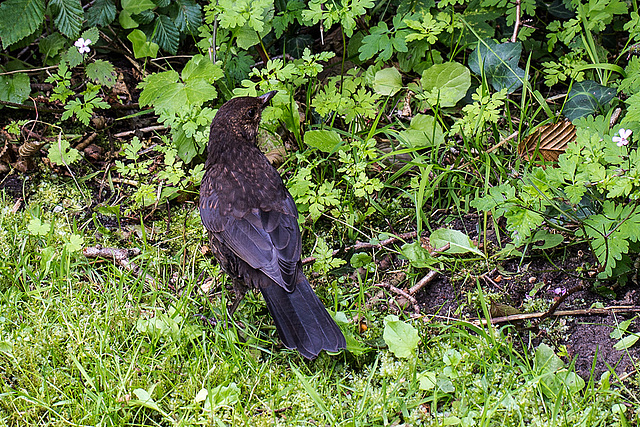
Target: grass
85	343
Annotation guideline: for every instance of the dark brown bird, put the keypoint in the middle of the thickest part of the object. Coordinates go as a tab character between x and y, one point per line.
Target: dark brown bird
252	222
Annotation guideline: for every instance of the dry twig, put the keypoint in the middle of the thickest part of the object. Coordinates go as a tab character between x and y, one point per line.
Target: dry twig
120	257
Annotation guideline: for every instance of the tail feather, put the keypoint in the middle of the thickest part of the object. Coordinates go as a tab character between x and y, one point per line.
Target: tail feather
301	319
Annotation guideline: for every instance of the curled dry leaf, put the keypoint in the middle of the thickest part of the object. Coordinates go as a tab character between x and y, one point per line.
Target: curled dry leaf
548	141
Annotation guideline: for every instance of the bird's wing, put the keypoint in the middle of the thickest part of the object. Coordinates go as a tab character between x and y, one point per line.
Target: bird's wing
267	240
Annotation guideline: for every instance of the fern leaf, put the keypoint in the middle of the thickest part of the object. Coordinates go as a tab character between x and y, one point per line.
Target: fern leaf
19	19
68	16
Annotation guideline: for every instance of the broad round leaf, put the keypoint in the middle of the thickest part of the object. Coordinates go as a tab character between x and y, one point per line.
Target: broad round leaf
387	81
446	83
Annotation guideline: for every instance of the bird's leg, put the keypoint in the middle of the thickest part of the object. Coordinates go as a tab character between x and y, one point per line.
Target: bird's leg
240	289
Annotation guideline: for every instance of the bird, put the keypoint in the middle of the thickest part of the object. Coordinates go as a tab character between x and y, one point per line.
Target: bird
252	224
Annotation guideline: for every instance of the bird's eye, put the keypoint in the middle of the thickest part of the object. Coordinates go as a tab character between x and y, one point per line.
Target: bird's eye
251	112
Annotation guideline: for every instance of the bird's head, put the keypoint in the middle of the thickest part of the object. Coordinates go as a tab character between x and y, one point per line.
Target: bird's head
242	114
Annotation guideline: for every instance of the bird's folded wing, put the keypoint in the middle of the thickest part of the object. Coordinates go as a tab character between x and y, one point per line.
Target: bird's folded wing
267	240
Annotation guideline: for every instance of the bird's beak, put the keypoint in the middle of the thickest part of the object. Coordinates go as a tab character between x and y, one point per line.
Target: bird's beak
267	97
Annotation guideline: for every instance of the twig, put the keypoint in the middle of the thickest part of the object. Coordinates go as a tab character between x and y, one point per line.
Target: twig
411	299
120	257
502	142
33	70
561	313
365	245
423	282
560	300
143	130
516	26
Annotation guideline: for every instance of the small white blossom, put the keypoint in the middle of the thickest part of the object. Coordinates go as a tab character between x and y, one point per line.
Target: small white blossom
82	45
622	138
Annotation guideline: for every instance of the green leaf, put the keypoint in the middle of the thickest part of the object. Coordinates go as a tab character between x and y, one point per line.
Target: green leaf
74	244
15	87
246	37
101	13
68	16
427	380
626	342
222	396
401	337
19	19
166	34
424	131
498	63
586	97
101	72
387	81
38	228
60	153
459	243
126	21
447	83
141	47
144	399
135	7
548	240
52	45
418	256
323	140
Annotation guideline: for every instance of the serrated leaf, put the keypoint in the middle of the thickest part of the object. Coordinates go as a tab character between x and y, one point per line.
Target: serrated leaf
141	46
459	243
387	81
15	88
499	63
135	7
166	34
19	19
189	16
101	13
101	72
38	228
585	98
51	45
323	140
72	57
401	337
448	82
61	153
68	16
200	67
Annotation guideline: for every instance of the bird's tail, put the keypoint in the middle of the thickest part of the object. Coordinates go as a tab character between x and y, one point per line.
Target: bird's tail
301	319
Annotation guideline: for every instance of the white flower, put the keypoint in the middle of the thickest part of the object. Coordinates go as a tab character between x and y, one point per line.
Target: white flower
622	139
82	45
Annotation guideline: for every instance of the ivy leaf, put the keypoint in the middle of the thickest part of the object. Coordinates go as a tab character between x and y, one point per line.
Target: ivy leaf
68	16
101	14
19	19
101	72
141	46
189	16
387	81
499	63
447	83
587	97
14	88
401	337
323	140
166	34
